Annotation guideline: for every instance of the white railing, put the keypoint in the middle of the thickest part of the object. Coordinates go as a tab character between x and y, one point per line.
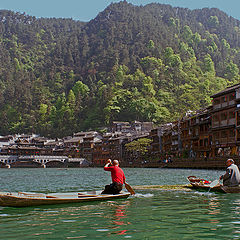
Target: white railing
224	104
216	106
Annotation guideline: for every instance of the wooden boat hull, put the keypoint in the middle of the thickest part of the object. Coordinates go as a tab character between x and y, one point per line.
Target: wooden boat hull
207	188
201	184
227	189
35	199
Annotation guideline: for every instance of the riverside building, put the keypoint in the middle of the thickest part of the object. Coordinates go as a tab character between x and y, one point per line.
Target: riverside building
204	138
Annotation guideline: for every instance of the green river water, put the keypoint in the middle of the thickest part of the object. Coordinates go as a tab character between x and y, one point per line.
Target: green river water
151	214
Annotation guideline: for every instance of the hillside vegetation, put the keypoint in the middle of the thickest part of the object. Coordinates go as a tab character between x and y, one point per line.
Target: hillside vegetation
147	63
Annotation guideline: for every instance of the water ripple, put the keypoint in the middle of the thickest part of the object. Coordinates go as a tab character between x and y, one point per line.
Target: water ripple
150	214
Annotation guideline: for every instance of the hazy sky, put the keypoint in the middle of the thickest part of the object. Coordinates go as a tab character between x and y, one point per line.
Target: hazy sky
86	10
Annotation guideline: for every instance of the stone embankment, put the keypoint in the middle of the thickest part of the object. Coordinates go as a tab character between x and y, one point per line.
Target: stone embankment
200	163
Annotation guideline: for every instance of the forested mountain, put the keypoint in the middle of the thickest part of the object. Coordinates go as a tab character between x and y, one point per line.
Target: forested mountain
147	63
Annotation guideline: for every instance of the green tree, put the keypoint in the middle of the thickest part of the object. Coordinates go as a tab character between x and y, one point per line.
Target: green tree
232	72
208	65
139	147
71	100
213	21
80	89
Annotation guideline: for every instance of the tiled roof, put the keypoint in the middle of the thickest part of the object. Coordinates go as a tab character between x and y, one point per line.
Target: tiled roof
226	90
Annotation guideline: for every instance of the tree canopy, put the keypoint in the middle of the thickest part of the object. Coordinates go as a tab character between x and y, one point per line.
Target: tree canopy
146	63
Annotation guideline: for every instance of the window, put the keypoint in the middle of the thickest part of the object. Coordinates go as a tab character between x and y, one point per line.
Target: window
216	101
223	99
232	133
216	135
231	114
238	134
224	134
223	116
215	118
232	97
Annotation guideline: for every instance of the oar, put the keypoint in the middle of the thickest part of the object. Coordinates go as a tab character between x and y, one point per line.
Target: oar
214	183
129	188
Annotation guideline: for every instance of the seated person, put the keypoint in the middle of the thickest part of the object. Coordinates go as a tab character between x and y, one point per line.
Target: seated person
232	176
118	178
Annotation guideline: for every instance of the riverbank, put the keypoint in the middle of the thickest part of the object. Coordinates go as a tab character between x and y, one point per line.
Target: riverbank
42	161
188	163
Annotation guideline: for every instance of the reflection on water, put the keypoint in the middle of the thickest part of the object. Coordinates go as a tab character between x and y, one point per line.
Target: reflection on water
151	214
214	206
119	218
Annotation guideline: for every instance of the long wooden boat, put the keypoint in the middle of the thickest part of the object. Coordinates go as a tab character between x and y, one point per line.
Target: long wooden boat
203	184
26	199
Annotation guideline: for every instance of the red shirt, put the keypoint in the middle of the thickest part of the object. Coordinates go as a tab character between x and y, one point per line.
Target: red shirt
116	173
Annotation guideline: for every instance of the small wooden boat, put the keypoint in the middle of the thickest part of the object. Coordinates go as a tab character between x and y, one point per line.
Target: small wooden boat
26	199
203	184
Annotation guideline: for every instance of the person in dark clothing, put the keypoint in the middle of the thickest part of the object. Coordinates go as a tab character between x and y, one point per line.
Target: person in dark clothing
118	177
232	176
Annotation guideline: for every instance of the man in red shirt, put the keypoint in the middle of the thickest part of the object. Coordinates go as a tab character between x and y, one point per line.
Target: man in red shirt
118	178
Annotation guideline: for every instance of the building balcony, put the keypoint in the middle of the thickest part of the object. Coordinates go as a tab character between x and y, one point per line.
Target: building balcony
220	107
216	106
231	121
224	141
217	125
223	123
194	137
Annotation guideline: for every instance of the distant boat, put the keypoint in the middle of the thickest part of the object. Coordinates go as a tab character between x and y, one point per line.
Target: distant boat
27	199
203	184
